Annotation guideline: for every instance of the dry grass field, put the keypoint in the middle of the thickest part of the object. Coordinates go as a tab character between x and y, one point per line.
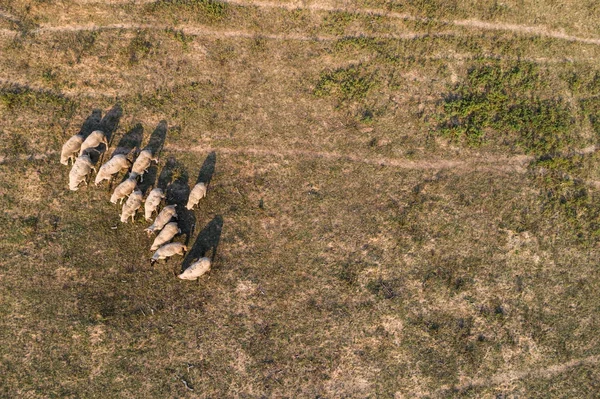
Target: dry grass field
405	199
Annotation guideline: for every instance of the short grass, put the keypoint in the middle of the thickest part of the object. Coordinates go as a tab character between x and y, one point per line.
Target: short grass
354	259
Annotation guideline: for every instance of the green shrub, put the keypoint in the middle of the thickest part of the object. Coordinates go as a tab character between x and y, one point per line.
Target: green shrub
351	83
566	198
209	10
505	101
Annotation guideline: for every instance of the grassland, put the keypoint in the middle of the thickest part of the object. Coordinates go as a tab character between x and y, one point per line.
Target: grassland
409	198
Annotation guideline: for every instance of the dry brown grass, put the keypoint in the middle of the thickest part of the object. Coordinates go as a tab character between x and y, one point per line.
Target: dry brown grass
363	254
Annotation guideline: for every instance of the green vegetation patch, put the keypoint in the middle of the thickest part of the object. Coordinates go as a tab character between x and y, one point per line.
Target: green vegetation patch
567	197
352	83
505	101
13	96
209	10
591	110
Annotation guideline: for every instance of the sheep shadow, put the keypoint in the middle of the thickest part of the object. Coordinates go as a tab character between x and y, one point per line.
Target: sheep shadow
110	122
157	138
174	180
149	179
166	174
108	125
130	141
208	169
91	123
208	239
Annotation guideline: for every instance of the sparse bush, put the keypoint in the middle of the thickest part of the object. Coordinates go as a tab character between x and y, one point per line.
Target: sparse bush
351	83
505	101
180	36
568	197
14	96
209	10
139	48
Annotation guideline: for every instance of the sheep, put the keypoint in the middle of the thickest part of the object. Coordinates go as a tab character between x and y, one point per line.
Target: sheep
93	141
152	202
112	166
163	218
82	166
142	163
196	269
70	148
174	248
197	193
123	189
165	235
133	203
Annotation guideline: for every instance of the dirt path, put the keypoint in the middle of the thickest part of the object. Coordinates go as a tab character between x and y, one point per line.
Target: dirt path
494	164
319	6
471	23
206	31
64	92
506	378
499	164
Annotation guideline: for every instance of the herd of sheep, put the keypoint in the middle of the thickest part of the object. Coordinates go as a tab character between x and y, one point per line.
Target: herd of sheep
78	150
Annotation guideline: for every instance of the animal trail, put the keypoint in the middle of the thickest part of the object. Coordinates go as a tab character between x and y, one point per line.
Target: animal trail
319	6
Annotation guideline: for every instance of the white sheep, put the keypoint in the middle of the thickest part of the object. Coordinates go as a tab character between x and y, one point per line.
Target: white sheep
93	141
196	269
70	148
163	218
142	163
112	166
174	248
133	203
197	193
123	189
152	202
165	235
82	166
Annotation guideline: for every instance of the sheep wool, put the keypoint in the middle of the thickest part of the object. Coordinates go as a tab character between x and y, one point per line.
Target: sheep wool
165	235
174	248
152	202
142	163
197	193
70	148
93	141
196	269
82	166
133	203
163	218
110	167
123	189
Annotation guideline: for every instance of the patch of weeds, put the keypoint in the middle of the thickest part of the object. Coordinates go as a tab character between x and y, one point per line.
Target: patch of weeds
591	110
336	22
16	144
385	289
567	198
349	272
158	100
222	53
346	44
582	82
259	44
366	116
84	42
496	100
13	97
208	10
139	47
352	83
180	36
49	75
